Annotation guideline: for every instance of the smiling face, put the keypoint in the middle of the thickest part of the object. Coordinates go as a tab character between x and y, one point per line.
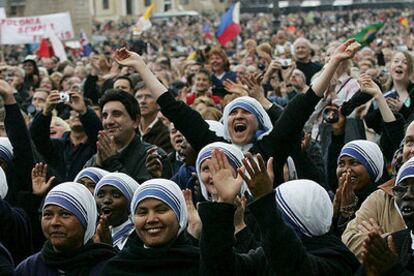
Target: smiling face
242	126
112	203
62	228
202	83
217	64
117	123
399	67
57	129
155	223
404	198
359	174
302	51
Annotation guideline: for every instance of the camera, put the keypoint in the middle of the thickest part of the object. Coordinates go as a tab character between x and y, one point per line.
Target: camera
285	63
64	97
330	115
261	66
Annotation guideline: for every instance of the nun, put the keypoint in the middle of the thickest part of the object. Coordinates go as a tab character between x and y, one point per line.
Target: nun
89	177
158	246
68	223
294	221
359	169
113	195
232	153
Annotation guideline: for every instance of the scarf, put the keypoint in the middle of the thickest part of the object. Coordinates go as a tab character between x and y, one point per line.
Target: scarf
3	184
368	154
121	232
177	258
79	261
6	149
234	156
166	191
124	183
92	173
305	206
254	107
78	200
406	171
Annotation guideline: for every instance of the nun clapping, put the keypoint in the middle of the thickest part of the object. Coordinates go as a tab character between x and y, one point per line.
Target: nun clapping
294	220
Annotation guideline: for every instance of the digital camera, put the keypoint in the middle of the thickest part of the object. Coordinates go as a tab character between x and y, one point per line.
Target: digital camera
64	97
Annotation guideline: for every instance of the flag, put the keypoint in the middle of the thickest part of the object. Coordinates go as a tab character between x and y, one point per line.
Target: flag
403	21
45	49
143	22
367	35
86	46
206	31
57	45
192	55
230	25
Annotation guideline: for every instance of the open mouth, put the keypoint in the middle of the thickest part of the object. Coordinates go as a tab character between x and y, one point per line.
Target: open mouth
179	140
106	211
407	211
240	127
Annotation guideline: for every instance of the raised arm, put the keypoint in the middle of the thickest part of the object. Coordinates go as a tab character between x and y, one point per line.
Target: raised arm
19	137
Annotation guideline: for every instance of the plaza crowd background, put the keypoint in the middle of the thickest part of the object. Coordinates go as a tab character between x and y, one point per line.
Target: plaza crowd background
347	129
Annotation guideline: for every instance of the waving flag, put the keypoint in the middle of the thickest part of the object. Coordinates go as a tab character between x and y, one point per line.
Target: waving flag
143	22
230	25
367	35
404	21
86	46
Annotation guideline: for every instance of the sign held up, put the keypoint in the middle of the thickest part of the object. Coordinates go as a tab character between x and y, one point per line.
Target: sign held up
22	30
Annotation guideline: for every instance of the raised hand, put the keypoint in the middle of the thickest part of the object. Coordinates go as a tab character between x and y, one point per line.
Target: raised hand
39	184
127	58
369	86
77	102
258	177
254	86
347	195
378	255
103	233
235	88
105	147
346	50
369	226
153	163
51	101
226	183
195	225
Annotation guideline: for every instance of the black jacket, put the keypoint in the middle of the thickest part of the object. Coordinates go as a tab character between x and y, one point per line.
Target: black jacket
282	253
131	161
283	141
60	154
18	173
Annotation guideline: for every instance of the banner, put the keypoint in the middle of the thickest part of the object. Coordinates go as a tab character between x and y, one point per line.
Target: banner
22	30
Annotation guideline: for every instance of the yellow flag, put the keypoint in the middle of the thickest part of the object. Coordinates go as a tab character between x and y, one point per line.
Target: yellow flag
148	12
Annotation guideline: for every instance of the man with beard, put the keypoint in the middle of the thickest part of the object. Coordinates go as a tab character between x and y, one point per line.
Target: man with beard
67	156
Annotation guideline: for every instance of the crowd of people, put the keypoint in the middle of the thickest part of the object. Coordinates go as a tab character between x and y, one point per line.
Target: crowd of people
289	151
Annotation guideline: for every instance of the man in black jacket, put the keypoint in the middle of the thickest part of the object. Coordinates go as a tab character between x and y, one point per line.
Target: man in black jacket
67	156
119	147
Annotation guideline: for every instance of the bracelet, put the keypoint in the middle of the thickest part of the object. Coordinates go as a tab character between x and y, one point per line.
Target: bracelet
348	210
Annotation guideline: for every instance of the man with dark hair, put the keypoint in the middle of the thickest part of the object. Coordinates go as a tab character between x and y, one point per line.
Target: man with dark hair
119	147
124	83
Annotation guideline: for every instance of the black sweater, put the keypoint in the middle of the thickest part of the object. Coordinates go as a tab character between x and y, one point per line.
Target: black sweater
283	141
60	154
282	253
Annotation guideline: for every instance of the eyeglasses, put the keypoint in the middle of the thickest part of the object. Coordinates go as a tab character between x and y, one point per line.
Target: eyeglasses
401	190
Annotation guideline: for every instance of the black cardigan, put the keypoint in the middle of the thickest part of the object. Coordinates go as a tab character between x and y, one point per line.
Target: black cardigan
283	141
282	253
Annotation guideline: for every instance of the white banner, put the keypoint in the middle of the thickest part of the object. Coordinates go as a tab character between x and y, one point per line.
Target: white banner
22	30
